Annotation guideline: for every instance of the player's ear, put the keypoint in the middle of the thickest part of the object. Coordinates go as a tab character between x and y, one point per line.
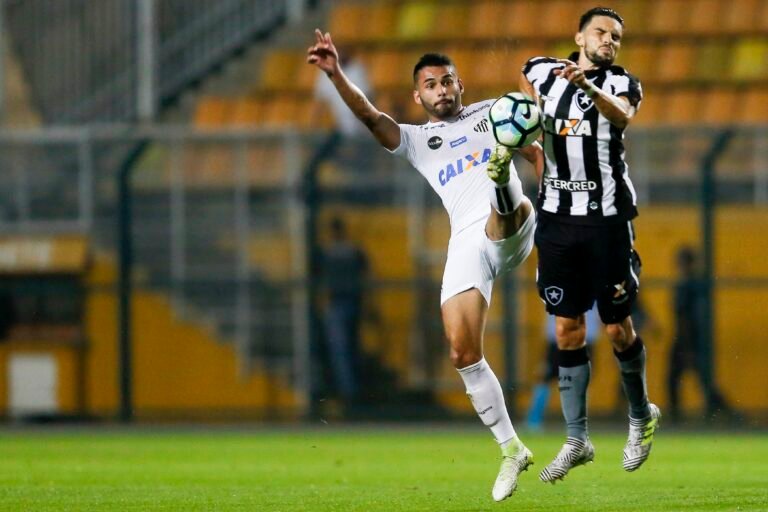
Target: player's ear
579	38
461	86
416	97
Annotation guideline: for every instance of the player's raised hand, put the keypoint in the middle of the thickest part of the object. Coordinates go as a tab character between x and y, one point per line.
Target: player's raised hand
323	53
573	73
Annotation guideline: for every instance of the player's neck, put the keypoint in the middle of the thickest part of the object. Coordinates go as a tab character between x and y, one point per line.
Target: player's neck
433	119
585	64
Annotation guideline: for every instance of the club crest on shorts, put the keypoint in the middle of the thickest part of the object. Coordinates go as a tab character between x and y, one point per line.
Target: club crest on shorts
554	295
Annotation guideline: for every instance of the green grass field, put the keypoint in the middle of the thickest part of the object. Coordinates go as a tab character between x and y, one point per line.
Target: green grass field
362	469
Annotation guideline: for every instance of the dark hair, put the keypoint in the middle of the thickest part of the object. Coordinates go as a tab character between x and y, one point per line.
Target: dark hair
599	11
431	59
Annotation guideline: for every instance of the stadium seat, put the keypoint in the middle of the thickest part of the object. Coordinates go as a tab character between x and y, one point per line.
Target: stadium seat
681	106
639	59
346	20
416	20
279	69
752	104
489	70
667	17
387	69
741	16
306	76
282	112
523	19
562	18
635	14
675	61
454	20
712	60
212	112
705	18
247	112
718	106
381	21
488	20
750	59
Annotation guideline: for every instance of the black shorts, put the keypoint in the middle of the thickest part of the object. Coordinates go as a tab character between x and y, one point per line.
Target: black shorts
579	265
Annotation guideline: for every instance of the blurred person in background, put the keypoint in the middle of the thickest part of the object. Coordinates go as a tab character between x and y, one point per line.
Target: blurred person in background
585	236
540	396
344	275
492	222
690	348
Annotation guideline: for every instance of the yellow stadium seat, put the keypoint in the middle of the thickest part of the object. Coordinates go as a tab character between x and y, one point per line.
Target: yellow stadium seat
346	20
453	21
387	69
667	17
488	20
750	59
212	112
718	106
705	17
752	104
639	59
712	60
381	21
681	106
282	112
562	18
247	112
306	77
266	164
523	19
489	70
279	69
675	61
741	16
635	14
416	20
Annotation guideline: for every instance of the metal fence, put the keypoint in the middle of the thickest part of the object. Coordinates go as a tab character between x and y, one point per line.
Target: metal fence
117	60
223	227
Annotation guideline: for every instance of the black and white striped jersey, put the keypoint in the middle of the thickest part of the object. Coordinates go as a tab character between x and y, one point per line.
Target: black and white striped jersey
585	177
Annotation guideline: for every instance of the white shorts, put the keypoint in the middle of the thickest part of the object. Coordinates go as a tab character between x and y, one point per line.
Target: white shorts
474	261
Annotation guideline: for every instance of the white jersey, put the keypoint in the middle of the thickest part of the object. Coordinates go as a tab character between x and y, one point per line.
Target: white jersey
453	156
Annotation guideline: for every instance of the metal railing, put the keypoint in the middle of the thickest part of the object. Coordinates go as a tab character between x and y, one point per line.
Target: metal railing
220	220
118	60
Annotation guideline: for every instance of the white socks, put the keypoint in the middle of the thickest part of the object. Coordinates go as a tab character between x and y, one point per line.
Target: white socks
507	197
485	392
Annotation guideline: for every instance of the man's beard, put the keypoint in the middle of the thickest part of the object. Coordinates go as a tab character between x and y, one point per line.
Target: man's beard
600	60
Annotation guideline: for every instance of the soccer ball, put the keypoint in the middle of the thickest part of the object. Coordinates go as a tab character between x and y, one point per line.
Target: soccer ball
515	120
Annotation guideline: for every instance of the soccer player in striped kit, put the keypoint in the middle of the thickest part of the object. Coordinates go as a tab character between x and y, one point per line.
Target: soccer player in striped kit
492	222
584	234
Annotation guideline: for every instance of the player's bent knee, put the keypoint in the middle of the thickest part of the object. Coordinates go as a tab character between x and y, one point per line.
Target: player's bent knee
461	358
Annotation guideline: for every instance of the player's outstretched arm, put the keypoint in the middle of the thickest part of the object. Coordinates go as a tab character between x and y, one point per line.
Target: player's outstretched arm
616	109
325	56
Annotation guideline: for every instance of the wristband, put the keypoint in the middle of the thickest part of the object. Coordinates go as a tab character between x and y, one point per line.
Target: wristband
591	90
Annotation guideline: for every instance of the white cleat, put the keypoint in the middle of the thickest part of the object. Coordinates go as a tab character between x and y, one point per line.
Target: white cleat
512	464
574	452
640	440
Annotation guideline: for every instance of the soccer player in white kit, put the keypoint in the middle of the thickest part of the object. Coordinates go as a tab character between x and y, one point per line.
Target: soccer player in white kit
492	222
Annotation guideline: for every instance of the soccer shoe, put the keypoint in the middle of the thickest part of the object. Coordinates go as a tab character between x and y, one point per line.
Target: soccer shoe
498	165
574	452
640	439
515	460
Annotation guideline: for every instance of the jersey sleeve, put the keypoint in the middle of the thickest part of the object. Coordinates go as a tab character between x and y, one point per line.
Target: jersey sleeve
537	69
408	137
629	86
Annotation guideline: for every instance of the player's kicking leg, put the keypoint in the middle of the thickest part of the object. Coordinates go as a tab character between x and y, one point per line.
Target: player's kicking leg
464	317
510	206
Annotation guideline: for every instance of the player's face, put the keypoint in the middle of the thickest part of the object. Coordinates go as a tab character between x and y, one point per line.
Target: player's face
600	40
439	91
